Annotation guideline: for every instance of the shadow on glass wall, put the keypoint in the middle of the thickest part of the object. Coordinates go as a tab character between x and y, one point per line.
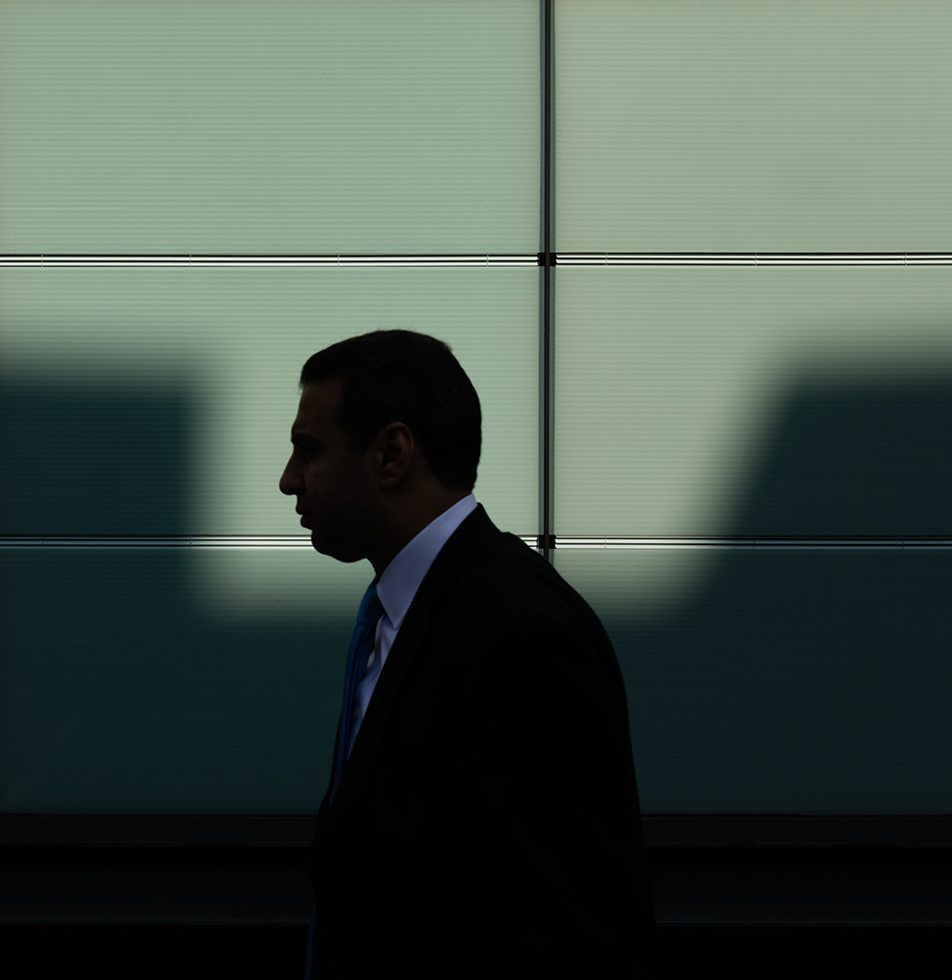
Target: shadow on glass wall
119	693
812	676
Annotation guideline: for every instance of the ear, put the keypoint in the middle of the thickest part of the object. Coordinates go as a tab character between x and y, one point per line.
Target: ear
394	453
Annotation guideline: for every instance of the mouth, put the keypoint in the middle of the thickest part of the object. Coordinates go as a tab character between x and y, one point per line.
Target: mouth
305	520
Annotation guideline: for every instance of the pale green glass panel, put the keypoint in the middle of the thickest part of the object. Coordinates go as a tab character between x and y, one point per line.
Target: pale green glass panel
160	401
356	126
785	680
752	400
745	125
136	691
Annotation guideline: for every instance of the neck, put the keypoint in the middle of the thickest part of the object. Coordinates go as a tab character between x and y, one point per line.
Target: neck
410	521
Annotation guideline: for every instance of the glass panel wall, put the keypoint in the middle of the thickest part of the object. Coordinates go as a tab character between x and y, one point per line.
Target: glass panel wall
751	408
747	126
780	680
356	126
82	346
697	400
751	380
170	642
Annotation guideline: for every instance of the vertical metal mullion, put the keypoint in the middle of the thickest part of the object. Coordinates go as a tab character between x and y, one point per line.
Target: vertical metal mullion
547	541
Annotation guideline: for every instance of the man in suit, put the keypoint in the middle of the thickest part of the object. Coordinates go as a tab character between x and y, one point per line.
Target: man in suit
482	818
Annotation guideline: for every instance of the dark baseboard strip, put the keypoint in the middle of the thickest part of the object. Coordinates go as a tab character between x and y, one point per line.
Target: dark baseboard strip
295	830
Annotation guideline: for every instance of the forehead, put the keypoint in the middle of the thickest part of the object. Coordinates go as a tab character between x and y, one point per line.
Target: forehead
317	410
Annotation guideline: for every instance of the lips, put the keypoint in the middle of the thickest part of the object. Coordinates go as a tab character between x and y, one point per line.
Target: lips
305	520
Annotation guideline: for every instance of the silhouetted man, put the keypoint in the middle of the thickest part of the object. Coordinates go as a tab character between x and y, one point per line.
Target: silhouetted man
482	818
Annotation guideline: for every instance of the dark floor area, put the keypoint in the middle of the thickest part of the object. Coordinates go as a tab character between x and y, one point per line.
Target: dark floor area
277	951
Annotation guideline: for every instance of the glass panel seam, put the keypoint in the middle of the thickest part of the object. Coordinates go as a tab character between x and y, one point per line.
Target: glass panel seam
560	542
334	261
547	260
753	258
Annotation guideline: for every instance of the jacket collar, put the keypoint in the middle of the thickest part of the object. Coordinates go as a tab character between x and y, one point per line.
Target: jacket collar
472	536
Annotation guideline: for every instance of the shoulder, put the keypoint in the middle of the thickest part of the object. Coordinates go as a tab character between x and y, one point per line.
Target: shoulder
511	615
511	573
488	584
508	586
516	573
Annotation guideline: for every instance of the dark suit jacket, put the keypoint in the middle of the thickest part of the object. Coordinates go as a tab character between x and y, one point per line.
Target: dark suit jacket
487	823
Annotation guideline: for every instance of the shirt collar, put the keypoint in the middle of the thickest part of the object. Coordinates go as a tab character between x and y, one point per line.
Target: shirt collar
402	577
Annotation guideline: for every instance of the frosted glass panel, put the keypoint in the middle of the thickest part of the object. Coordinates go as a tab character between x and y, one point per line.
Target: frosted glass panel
132	692
786	680
745	400
160	401
744	125
269	126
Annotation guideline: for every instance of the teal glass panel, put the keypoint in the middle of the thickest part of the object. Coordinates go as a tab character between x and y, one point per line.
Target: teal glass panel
249	126
130	686
160	401
744	125
752	400
782	680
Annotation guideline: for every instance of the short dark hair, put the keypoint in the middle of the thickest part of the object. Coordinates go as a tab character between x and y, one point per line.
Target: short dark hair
403	376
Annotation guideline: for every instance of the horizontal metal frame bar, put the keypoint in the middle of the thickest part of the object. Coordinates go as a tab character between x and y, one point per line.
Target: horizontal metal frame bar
753	258
267	261
839	542
468	261
169	541
563	542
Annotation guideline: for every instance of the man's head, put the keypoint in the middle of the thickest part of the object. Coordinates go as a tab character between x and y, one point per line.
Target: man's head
393	375
388	434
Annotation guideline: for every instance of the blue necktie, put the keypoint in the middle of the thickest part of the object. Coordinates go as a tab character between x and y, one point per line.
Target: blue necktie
361	646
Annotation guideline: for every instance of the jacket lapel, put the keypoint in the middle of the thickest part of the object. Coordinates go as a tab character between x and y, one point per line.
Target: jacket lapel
474	534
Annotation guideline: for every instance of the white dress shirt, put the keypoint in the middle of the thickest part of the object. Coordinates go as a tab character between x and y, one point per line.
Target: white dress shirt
397	586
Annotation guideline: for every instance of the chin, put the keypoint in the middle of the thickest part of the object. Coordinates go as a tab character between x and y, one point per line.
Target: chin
322	547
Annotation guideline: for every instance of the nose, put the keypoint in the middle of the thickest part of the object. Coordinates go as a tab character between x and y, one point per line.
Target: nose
290	482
